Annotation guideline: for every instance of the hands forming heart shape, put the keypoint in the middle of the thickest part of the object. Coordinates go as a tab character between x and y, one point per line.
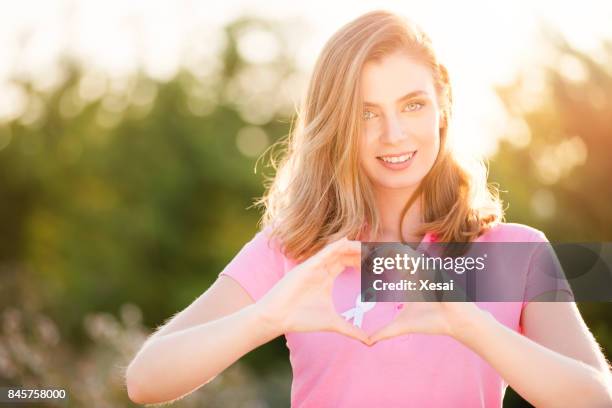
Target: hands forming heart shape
302	301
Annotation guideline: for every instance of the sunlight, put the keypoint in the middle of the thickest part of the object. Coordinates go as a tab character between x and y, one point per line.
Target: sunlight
486	46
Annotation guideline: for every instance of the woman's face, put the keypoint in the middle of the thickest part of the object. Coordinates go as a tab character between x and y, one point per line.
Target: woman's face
401	120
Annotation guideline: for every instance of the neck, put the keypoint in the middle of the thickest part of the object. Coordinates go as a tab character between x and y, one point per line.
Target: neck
390	203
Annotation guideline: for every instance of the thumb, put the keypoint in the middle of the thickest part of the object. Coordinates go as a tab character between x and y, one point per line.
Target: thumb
391	330
343	327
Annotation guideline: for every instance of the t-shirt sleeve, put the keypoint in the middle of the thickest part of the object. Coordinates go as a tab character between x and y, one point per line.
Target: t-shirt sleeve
257	266
546	280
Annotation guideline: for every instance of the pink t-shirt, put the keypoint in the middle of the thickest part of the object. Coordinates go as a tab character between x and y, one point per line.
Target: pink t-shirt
414	370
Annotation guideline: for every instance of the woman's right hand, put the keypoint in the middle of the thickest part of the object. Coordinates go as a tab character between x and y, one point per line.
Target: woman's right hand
302	299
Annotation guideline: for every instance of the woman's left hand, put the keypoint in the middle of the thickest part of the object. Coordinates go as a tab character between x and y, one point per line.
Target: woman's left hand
444	318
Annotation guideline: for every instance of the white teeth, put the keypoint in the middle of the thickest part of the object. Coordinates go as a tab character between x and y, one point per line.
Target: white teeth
398	159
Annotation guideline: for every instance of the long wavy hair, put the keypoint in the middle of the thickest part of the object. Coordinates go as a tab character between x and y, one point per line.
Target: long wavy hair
318	193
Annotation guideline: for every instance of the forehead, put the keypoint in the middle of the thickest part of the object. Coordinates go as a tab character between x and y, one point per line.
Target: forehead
395	75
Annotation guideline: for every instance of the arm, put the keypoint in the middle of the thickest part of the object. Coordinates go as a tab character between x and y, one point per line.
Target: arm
224	324
556	364
217	329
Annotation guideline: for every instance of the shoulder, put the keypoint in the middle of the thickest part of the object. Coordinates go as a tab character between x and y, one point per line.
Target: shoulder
258	265
264	242
513	232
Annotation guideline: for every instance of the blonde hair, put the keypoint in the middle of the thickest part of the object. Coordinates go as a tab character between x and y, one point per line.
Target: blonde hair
319	194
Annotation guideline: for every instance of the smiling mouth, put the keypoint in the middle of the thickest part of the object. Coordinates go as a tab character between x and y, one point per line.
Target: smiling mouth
397	158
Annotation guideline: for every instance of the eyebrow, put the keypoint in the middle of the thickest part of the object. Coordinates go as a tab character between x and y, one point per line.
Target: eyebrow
403	98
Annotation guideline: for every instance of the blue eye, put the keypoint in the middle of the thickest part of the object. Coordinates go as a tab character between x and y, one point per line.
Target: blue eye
419	104
365	115
411	107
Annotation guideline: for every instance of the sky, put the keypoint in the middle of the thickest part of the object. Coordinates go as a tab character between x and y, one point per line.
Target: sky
483	43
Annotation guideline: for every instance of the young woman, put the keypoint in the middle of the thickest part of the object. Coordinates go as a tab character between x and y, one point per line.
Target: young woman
369	160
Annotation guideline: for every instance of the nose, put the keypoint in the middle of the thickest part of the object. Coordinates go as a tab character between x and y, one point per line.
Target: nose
393	132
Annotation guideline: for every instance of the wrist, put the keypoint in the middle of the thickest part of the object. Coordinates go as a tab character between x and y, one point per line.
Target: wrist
468	324
269	322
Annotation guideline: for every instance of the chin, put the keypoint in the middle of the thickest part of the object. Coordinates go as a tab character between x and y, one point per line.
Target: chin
398	183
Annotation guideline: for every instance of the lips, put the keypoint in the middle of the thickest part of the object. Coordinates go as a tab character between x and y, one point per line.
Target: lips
398	157
398	161
397	154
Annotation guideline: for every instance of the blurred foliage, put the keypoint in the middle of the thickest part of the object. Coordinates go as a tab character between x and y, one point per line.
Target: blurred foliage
143	184
33	354
554	161
117	192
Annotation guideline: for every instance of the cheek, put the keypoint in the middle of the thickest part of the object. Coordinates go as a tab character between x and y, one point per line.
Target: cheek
430	149
427	134
367	155
364	148
430	141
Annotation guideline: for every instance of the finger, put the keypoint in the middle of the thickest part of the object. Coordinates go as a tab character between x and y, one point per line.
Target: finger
353	260
391	330
338	265
343	247
353	247
343	255
331	247
346	245
343	327
337	244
